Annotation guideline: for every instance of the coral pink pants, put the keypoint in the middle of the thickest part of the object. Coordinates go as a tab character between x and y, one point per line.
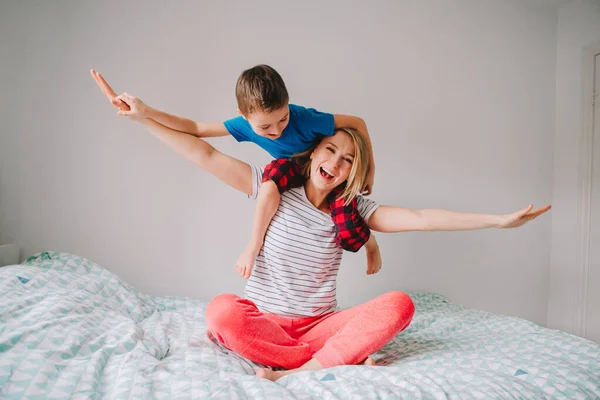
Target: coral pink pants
344	337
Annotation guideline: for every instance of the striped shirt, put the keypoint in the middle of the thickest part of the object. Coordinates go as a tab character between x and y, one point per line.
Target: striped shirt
295	273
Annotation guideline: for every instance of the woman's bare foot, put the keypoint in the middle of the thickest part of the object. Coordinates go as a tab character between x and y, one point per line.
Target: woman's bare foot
312	365
266	373
369	361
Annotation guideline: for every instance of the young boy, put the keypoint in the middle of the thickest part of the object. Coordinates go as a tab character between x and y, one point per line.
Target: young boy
282	129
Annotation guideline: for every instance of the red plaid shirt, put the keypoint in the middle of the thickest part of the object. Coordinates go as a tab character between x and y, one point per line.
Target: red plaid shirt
352	231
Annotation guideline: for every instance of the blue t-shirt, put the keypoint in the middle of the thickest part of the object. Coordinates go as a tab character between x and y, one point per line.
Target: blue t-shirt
304	126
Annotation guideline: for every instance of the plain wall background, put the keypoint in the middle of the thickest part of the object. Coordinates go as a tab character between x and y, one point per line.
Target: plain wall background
459	97
578	26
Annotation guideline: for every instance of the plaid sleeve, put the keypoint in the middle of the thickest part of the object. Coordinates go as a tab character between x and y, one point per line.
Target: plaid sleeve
352	230
285	173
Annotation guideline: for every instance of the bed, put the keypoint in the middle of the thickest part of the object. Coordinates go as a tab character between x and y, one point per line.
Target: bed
70	328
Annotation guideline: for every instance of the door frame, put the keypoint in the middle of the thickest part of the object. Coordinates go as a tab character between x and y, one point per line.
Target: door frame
584	195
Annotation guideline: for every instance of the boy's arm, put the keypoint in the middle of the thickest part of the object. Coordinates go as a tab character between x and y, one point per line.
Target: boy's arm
266	206
131	106
138	109
350	121
279	175
185	125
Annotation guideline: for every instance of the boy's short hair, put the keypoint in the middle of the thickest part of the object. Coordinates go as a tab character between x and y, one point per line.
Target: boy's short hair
260	88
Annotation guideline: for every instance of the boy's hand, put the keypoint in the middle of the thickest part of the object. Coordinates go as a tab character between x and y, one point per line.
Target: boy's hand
137	108
245	262
373	256
373	261
367	188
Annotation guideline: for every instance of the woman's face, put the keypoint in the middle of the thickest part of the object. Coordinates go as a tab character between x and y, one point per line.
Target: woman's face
332	161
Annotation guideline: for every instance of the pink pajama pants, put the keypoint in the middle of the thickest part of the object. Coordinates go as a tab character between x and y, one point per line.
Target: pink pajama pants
345	337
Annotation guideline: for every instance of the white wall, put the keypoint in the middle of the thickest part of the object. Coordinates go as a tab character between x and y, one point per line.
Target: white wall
458	95
578	26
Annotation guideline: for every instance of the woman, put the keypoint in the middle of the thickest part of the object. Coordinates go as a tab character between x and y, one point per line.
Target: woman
288	318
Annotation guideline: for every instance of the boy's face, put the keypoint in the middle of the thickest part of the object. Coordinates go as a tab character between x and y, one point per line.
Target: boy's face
269	125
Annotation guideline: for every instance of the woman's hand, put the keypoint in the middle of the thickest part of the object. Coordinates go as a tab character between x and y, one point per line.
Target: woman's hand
128	105
521	217
108	92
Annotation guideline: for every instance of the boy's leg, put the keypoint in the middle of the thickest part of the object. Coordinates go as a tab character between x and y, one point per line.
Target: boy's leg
348	337
239	325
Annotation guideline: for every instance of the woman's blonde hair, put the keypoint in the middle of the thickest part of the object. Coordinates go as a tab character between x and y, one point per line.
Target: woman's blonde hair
360	165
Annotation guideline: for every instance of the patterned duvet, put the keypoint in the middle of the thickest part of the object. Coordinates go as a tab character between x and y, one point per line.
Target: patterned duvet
71	329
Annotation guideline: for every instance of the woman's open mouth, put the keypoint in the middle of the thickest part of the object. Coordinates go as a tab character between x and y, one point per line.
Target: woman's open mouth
326	174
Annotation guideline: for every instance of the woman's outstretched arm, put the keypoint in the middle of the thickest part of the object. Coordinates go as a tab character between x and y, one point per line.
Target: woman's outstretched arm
230	170
398	219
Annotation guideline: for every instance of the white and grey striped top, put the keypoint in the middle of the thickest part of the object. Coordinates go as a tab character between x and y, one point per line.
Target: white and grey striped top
295	272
